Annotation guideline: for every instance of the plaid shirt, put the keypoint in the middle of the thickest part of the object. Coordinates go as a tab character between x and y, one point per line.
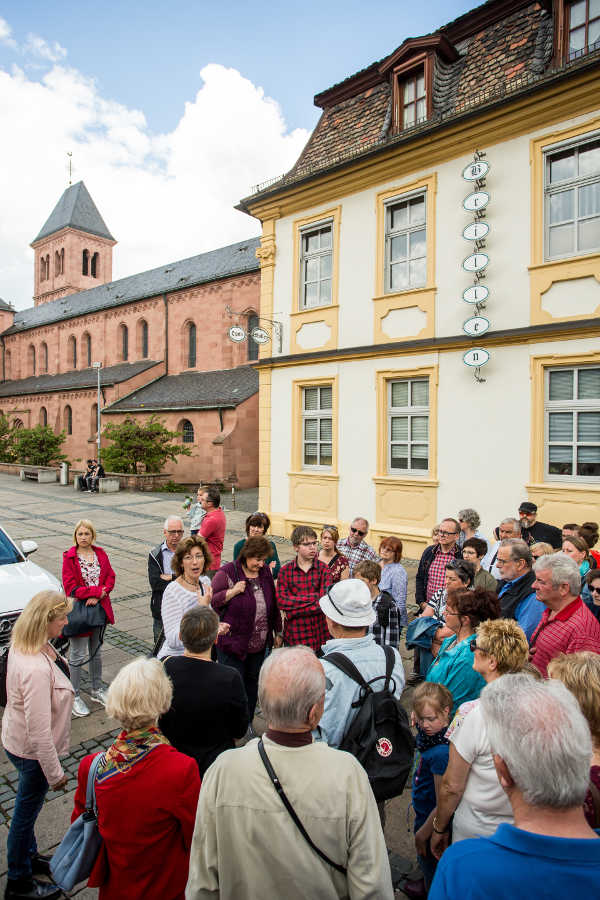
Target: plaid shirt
436	577
391	634
298	595
355	555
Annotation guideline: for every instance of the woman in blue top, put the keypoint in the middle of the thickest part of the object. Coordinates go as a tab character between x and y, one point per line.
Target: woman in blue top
453	666
393	576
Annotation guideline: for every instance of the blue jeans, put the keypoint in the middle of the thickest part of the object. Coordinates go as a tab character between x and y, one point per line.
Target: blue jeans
31	790
248	669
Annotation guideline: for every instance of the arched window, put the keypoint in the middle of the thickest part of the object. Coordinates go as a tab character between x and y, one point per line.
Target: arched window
44	358
85	262
62	261
72	352
94	421
7	365
68	420
87	349
144	339
31	359
95	265
43	416
191	345
48	266
57	263
253	322
42	269
124	342
187	430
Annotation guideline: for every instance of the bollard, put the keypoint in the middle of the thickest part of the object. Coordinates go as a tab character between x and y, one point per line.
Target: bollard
64	473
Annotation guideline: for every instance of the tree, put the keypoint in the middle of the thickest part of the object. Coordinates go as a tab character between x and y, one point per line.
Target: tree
38	446
7	437
136	443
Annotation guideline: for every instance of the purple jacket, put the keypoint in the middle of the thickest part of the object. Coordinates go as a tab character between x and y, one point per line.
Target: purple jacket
240	612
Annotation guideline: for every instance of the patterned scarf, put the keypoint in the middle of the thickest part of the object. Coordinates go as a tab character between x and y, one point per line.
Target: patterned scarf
128	748
427	741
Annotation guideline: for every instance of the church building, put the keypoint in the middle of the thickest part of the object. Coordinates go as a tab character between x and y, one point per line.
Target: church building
161	337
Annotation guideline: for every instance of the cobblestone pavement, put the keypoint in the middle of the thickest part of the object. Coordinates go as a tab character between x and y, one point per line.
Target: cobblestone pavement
128	525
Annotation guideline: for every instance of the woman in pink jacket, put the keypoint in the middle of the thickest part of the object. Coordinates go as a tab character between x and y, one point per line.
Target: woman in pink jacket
88	577
36	731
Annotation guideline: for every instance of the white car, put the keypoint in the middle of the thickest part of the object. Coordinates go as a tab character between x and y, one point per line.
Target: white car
20	580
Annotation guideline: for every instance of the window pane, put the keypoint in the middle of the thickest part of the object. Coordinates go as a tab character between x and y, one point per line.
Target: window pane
399	216
311	242
588	234
419	428
588	427
326	397
417	243
326	238
589	199
399	430
589	155
311	269
560	426
593	33
417	272
421	109
588	384
311	429
576	40
594	8
325	433
399	456
417	210
398	248
325	291
588	461
310	455
326	265
421	85
420	393
560	461
577	11
561	206
562	166
400	394
311	294
409	90
409	116
561	239
311	398
561	385
399	276
325	455
419	456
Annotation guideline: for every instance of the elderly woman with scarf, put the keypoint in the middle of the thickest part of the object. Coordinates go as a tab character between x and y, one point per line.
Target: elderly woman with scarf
146	793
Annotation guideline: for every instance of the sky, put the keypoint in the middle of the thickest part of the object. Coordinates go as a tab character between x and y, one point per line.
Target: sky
173	112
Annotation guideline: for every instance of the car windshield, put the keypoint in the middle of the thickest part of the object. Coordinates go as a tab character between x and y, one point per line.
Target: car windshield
8	551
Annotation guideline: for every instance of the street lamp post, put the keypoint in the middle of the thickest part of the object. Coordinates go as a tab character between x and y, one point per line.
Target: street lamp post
97	366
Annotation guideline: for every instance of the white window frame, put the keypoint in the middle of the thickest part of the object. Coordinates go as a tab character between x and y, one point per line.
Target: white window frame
320	414
409	412
319	254
568	184
573	406
408	230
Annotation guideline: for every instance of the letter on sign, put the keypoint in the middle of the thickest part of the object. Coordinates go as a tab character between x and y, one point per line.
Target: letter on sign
476	262
237	333
476	325
476	357
475	171
476	200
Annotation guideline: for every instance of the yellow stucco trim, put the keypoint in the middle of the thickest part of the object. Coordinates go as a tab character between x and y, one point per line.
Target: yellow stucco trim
543	276
382	380
423	299
296	425
266	254
264	440
327	315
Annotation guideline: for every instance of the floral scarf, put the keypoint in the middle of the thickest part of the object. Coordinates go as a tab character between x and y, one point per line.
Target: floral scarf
128	748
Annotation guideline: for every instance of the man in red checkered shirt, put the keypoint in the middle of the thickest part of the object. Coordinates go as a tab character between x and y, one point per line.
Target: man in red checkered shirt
567	625
301	583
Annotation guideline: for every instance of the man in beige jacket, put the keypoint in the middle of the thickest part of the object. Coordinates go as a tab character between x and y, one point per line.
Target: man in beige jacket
246	845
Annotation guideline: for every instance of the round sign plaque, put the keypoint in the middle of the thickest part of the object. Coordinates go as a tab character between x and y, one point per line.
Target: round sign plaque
477	293
476	170
260	336
476	231
476	357
476	200
476	325
237	333
475	262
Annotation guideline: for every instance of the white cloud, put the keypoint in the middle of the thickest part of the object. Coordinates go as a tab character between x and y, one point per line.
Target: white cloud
37	46
5	34
164	197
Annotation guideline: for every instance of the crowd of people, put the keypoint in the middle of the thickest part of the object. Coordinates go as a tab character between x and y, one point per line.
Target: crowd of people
505	713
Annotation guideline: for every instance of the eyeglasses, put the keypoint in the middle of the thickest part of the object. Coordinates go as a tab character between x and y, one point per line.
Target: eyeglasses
450	612
473	646
594	590
196	558
357	531
176	531
444	533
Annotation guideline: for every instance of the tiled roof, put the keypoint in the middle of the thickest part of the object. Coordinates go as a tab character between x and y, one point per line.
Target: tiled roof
6	306
75	209
236	259
78	379
192	390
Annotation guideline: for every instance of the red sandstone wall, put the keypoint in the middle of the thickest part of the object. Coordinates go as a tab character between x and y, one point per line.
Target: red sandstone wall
72	278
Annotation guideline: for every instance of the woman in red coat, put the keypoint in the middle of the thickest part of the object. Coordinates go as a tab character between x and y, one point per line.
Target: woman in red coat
88	577
146	794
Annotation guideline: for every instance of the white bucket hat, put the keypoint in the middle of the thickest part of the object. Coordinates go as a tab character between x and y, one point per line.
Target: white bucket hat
349	603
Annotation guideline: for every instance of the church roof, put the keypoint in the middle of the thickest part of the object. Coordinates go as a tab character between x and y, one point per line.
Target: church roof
77	379
75	209
236	259
5	306
224	388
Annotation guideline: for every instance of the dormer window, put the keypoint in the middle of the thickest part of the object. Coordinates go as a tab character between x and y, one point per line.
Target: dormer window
413	98
583	27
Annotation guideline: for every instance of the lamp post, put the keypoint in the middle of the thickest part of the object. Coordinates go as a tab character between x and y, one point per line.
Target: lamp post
97	366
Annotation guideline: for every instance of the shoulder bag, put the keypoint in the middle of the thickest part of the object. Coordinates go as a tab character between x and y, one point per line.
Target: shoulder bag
77	853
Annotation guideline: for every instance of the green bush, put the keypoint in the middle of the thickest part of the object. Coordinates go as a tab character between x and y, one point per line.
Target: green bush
134	444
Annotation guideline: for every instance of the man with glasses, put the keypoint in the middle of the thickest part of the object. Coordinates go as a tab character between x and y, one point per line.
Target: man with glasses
508	530
354	547
301	583
431	573
159	569
515	588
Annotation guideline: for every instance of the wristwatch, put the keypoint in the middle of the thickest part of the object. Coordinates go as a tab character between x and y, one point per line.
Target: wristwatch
436	829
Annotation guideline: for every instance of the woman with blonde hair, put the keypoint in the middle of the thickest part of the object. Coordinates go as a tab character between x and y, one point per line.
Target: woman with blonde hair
541	549
88	577
146	793
580	673
36	732
330	555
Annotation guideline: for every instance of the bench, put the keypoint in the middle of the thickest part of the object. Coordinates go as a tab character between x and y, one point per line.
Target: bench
42	476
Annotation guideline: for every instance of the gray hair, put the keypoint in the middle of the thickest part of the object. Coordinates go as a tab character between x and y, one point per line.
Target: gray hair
171	519
291	681
519	549
470	516
516	525
541	734
361	519
564	571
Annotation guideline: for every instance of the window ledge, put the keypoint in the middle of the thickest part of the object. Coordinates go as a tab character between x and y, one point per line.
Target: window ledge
314	473
409	479
583	487
411	292
565	260
314	309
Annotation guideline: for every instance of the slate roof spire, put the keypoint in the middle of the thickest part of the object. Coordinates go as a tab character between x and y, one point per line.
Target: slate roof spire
77	210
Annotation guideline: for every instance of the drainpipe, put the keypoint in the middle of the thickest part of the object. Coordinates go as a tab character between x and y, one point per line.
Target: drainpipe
3	358
221	417
166	302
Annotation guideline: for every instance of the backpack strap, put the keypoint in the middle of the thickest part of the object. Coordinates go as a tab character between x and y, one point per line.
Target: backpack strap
389	665
348	668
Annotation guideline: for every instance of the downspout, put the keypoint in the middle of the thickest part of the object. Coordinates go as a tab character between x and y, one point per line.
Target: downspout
221	418
166	302
3	357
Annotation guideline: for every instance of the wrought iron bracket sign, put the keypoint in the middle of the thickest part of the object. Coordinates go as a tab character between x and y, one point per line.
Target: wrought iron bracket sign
475	173
258	334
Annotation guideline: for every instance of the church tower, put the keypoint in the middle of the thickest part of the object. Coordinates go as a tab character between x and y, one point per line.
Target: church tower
73	251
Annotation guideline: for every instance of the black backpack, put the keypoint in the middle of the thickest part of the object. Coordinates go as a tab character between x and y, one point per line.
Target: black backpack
379	735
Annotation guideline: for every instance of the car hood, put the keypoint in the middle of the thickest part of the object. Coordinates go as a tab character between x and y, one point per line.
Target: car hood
19	582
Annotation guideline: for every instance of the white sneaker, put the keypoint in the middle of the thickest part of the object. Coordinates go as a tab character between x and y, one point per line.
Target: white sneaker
79	707
99	696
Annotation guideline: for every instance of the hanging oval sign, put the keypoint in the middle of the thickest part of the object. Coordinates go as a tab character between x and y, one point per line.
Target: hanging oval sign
477	293
237	333
476	200
475	262
476	325
260	336
476	231
476	357
476	170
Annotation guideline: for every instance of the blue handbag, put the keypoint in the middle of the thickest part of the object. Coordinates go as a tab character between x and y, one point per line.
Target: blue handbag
76	854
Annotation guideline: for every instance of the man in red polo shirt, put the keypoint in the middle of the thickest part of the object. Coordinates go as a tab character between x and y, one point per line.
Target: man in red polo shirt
567	625
213	525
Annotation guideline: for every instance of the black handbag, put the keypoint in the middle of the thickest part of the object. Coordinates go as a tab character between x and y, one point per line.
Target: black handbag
83	618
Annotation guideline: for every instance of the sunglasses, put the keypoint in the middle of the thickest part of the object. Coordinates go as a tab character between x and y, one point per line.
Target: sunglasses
473	646
594	590
357	531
